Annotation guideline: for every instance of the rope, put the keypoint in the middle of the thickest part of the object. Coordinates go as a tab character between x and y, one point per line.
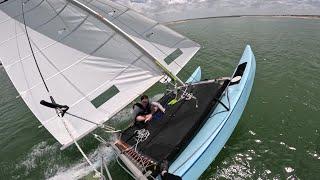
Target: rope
79	148
185	95
107	129
34	57
107	170
142	135
100	139
3	1
103	126
226	108
125	169
59	111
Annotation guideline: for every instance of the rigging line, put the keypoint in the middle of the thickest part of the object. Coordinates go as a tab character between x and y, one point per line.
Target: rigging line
81	118
55	42
62	109
3	1
34	57
106	127
226	109
107	170
79	148
125	169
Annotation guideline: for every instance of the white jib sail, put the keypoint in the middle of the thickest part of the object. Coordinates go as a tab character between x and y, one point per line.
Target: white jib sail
86	64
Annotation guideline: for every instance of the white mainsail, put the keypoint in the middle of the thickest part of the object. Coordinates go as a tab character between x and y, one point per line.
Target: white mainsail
159	39
86	64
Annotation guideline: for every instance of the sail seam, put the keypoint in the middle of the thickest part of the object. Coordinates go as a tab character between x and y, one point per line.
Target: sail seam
57	13
111	5
120	14
128	37
60	72
110	115
109	81
154	44
148	29
90	3
49	45
34	57
141	35
21	13
23	69
103	84
39	26
65	69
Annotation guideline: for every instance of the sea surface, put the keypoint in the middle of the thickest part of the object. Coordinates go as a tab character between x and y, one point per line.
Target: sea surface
277	137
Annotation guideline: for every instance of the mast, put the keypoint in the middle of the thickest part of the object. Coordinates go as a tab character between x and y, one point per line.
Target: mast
128	37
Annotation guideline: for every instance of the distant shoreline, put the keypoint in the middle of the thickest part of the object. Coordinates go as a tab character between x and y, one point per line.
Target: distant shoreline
236	16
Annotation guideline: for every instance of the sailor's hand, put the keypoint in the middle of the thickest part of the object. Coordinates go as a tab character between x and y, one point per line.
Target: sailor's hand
148	117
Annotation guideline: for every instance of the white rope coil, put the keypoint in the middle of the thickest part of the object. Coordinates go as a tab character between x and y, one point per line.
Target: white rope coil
141	136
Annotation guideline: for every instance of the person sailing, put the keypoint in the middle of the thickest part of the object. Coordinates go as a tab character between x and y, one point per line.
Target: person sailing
143	111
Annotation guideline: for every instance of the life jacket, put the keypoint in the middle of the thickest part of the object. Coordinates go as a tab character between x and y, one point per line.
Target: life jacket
143	111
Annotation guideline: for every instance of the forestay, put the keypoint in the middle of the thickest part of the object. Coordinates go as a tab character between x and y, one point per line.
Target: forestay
86	64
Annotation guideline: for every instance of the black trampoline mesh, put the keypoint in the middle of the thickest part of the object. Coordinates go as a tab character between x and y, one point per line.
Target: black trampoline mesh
171	133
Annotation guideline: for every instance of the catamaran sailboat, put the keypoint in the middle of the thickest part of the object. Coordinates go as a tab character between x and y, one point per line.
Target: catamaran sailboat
77	63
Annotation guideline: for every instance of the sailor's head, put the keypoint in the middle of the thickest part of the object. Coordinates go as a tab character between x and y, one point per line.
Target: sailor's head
144	100
154	108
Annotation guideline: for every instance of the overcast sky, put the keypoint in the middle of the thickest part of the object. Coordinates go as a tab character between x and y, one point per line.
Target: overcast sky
168	10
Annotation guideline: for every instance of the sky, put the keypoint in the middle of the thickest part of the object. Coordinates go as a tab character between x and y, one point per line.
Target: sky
170	10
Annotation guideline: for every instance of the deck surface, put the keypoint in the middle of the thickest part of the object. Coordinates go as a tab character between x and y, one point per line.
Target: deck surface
169	134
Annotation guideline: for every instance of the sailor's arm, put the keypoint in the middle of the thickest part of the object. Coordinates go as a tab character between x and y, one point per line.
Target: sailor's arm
161	108
140	118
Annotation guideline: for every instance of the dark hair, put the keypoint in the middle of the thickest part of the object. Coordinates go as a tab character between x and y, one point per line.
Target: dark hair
144	97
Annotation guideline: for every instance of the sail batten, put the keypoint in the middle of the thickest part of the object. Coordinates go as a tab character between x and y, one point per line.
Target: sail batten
81	58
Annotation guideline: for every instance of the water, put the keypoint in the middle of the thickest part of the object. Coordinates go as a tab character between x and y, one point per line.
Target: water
278	136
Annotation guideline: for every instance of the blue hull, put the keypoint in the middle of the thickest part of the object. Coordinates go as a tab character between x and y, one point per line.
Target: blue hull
209	141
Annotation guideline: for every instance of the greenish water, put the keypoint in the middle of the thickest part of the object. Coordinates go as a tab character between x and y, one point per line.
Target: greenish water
278	136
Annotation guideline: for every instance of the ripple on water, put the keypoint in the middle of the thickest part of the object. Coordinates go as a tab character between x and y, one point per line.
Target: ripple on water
31	161
288	169
236	167
288	147
81	169
252	133
313	154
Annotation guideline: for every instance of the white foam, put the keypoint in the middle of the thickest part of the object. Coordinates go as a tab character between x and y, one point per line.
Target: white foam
234	169
258	141
289	169
292	148
268	171
249	158
289	147
252	133
82	168
313	154
38	151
